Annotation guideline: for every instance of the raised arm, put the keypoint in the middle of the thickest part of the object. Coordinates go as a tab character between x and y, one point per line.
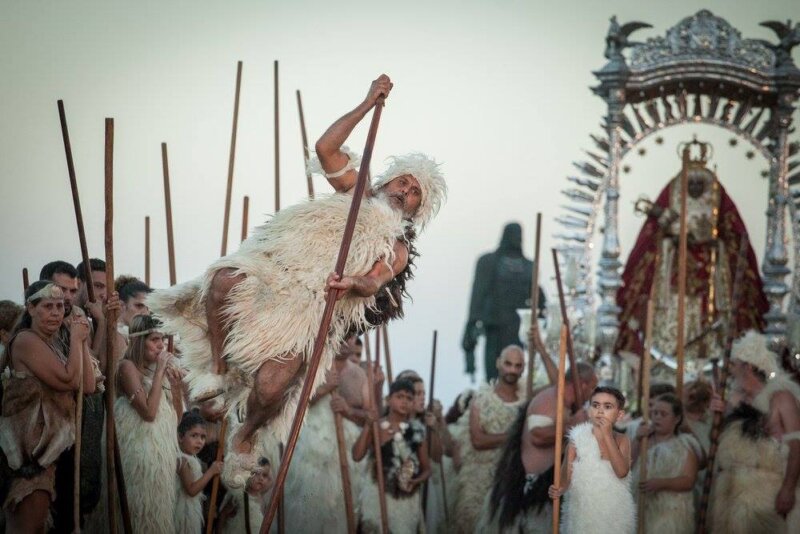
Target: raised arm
38	358
789	414
145	404
328	147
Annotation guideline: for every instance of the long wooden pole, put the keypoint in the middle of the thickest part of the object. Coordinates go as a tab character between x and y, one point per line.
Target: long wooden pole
376	440
212	503
111	330
306	153
231	158
534	306
680	351
146	250
76	202
281	510
388	357
645	407
277	137
344	467
716	425
168	204
25	281
576	381
431	384
562	364
327	316
245	213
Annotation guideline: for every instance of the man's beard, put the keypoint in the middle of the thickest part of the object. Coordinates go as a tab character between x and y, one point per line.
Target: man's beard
387	197
67	308
510	379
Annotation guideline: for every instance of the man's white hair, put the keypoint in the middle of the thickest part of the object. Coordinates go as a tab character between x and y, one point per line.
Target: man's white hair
430	178
423	168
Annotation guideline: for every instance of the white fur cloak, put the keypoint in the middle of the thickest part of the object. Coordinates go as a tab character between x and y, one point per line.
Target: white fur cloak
276	311
597	500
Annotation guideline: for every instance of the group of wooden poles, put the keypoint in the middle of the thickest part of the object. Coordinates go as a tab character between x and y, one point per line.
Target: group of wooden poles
116	487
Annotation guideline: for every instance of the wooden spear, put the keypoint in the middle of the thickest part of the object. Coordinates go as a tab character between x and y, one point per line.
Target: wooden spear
76	202
111	330
146	250
212	503
645	407
231	158
562	363
245	210
277	144
25	281
716	425
168	204
376	440
388	357
682	244
532	332
430	408
573	364
306	153
327	315
344	467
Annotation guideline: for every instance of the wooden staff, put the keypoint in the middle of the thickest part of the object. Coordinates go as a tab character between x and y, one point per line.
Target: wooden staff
645	406
277	145
231	158
327	315
534	306
281	512
76	202
168	203
716	425
573	364
430	408
25	281
245	210
306	154
682	244
344	467
146	250
388	357
562	373
212	503
123	492
111	329
376	442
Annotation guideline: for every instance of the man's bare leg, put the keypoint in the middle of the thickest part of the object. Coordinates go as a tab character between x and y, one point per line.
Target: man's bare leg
217	299
273	381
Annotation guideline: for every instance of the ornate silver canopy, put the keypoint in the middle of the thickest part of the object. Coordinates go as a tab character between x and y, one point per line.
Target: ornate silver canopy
701	71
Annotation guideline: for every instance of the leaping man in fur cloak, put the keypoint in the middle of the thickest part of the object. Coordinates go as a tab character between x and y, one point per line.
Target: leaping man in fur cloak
247	326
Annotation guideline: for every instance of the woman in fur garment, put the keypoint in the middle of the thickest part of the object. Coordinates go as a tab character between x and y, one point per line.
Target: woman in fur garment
672	461
146	426
406	466
37	422
248	325
755	485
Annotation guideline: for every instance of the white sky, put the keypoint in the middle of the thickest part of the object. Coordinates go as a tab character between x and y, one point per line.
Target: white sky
498	91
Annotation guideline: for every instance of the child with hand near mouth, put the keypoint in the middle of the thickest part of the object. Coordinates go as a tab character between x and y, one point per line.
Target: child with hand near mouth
595	471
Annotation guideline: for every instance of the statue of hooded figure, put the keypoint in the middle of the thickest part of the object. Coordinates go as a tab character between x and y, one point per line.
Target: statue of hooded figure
502	285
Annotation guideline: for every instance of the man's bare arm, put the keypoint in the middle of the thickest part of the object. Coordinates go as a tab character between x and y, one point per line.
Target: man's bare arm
790	421
374	280
328	147
481	439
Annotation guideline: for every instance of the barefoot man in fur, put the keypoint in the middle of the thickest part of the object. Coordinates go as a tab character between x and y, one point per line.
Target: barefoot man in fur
247	326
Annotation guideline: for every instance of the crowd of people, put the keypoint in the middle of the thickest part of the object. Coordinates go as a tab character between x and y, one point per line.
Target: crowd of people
370	453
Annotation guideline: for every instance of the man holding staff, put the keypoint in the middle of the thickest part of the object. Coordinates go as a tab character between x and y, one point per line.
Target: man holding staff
247	326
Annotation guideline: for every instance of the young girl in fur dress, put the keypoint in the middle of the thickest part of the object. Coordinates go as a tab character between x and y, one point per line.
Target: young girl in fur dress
672	461
596	469
146	425
191	479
